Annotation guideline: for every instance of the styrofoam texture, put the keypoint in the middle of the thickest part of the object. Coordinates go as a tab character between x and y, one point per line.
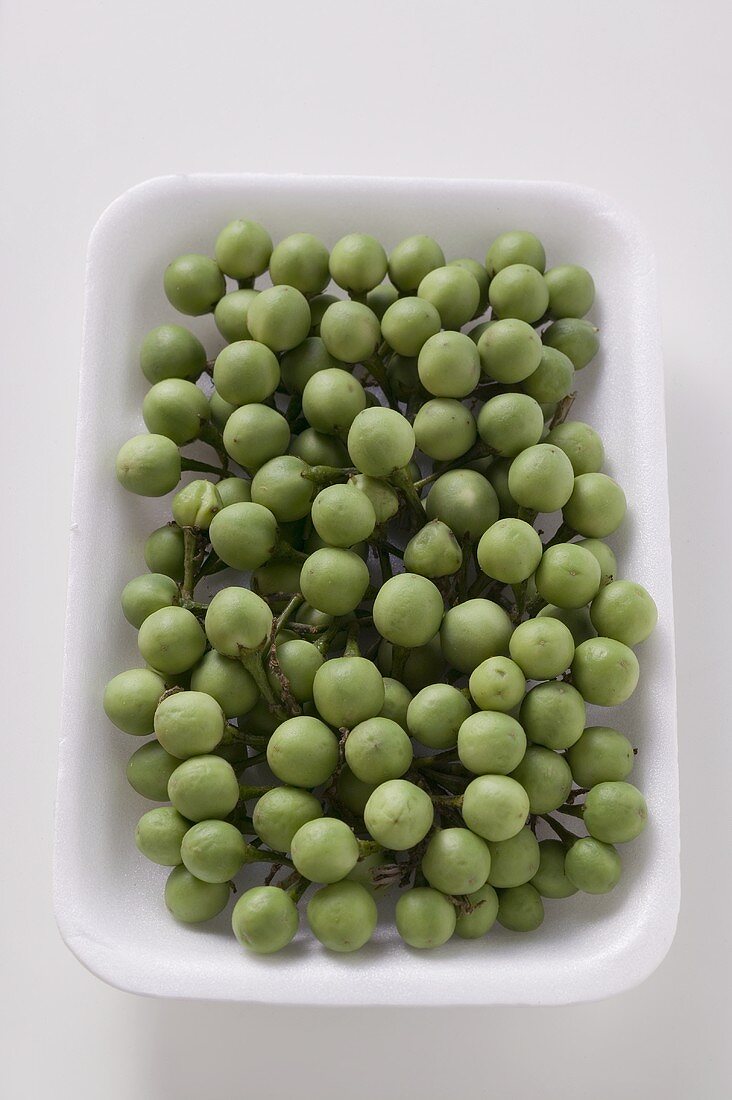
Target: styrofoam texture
108	899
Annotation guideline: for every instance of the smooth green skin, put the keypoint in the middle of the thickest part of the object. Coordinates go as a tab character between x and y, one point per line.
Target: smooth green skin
553	378
159	834
444	429
474	631
433	551
192	901
193	284
318	449
280	486
244	535
408	324
300	261
231	312
342	916
516	246
348	690
514	861
171	351
593	867
397	699
363	872
265	919
334	580
300	364
605	556
456	861
243	248
546	778
491	743
352	793
576	338
471	926
497	475
143	595
196	504
171	640
510	422
350	331
237	620
234	490
497	684
541	478
259	720
383	497
425	918
577	620
204	788
553	715
435	715
214	851
454	293
324	850
581	444
520	909
378	749
571	290
343	515
189	723
605	671
408	610
424	665
148	465
568	575
358	263
246	373
279	814
481	277
403	376
398	815
276	576
509	350
164	552
332	400
149	769
220	410
615	812
318	305
448	364
299	661
302	752
176	409
381	297
596	507
495	807
510	551
542	648
254	434
550	879
519	291
131	699
465	501
279	317
314	542
226	681
310	616
380	441
601	755
412	259
625	611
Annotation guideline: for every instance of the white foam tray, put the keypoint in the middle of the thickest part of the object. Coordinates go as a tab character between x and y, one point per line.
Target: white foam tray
108	900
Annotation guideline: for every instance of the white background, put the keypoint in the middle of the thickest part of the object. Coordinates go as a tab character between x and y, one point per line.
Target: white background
630	97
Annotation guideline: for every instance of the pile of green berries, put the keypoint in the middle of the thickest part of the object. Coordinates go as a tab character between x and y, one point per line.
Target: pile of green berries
390	688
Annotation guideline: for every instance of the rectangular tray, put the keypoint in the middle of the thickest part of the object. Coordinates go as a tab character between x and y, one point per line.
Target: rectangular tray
108	899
